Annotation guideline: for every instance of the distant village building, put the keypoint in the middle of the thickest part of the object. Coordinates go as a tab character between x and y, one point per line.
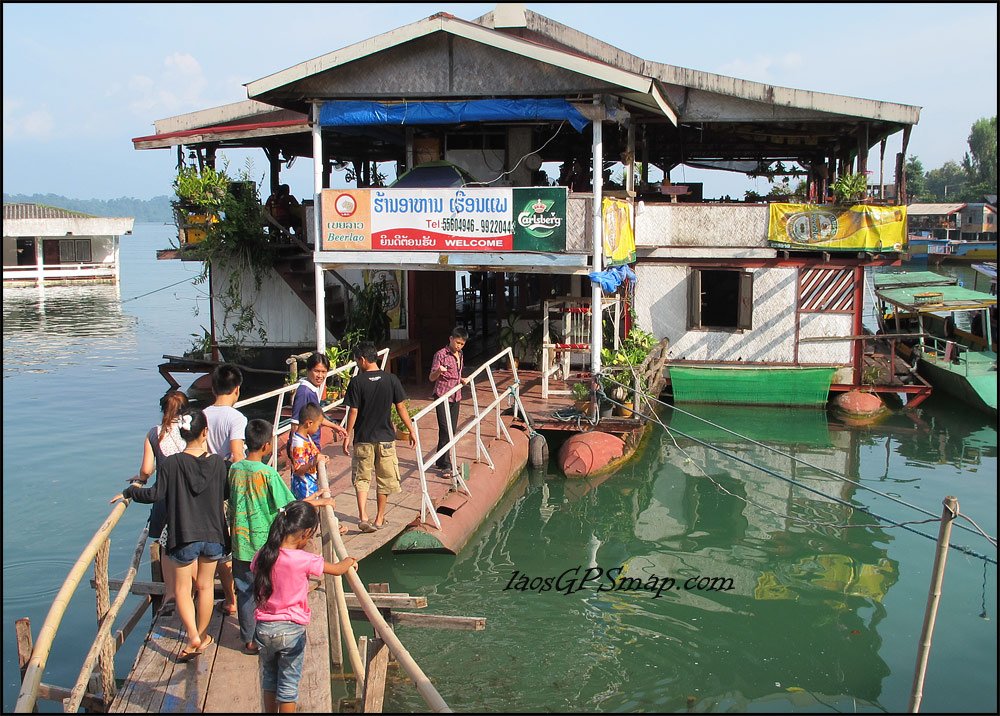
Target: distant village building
939	221
50	245
979	222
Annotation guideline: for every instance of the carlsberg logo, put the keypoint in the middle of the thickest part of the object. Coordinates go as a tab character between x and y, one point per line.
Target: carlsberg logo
538	220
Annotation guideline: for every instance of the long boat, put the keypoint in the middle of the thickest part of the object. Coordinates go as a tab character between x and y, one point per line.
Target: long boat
960	363
964	250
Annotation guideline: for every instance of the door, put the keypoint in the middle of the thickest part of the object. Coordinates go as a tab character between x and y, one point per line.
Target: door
433	310
50	252
26	252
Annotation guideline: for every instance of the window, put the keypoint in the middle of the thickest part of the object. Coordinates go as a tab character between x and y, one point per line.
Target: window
720	298
74	251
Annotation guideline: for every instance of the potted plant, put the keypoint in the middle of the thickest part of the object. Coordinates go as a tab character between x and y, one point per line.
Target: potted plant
200	197
511	337
581	397
850	188
401	432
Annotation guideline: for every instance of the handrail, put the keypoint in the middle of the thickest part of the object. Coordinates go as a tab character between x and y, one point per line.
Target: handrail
28	694
424	686
104	629
282	391
479	414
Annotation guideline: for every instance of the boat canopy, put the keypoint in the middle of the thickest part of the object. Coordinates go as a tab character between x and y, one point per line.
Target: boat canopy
358	113
913	278
937	299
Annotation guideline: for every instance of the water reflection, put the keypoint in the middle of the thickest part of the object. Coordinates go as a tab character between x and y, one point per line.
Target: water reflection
801	627
65	324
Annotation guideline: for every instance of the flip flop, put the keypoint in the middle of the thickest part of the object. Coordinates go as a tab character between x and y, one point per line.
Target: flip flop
188	654
223	609
378	527
367	527
205	643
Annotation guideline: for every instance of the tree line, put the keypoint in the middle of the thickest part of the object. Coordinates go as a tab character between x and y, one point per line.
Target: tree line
967	180
156	210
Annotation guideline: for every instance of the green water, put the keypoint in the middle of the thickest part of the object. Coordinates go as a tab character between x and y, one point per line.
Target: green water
819	617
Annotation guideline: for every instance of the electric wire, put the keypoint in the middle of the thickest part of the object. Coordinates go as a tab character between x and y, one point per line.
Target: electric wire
960	548
824	470
149	293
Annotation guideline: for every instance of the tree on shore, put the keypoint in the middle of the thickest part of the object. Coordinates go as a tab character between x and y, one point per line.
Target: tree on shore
967	181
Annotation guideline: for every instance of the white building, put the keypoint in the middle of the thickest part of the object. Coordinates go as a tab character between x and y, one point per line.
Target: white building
46	244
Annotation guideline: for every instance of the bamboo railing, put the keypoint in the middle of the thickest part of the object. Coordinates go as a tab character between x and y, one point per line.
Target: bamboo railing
424	686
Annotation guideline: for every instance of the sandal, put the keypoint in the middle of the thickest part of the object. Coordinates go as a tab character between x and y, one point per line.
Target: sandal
205	643
367	527
378	527
343	529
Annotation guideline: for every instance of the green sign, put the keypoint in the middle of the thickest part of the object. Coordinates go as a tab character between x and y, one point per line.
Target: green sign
540	219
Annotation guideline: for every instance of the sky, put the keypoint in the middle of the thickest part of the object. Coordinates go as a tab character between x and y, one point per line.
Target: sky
81	80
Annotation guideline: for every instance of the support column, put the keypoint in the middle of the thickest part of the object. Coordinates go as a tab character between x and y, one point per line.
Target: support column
597	174
317	142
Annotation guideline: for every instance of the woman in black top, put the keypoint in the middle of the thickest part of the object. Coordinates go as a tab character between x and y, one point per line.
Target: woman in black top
193	486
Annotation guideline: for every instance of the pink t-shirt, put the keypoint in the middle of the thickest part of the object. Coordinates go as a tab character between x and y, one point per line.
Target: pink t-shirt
289	602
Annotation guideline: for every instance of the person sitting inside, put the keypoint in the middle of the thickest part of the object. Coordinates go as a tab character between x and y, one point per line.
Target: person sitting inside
285	209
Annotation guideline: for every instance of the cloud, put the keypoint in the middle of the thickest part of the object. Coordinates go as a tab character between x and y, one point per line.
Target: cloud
176	88
763	68
20	122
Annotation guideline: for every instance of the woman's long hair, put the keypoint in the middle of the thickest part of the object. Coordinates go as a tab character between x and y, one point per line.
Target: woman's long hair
293	518
173	405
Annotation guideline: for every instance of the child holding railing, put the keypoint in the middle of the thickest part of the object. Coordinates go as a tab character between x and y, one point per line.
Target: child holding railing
281	570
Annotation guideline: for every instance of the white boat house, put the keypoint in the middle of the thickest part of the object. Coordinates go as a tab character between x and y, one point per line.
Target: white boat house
44	244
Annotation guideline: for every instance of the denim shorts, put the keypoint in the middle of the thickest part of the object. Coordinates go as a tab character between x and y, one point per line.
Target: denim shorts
282	653
187	553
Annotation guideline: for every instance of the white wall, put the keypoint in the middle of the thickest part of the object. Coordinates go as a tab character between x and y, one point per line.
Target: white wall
662	308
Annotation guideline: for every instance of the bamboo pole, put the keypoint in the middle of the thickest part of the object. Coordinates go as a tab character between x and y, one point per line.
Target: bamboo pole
332	527
933	597
332	610
423	684
28	695
103	642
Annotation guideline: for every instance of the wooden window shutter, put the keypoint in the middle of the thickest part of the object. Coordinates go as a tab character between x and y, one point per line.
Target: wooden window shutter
744	320
694	299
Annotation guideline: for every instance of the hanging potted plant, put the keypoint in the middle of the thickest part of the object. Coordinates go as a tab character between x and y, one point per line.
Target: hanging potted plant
199	201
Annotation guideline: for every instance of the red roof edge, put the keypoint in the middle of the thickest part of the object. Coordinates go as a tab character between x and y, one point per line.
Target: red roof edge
223	129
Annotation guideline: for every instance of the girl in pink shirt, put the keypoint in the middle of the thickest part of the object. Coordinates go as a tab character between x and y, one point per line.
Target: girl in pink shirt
281	586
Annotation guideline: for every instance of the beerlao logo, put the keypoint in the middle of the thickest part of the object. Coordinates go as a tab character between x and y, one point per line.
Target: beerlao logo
538	219
345	205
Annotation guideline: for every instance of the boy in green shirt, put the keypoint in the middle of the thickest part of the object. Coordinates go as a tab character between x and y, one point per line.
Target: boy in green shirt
256	494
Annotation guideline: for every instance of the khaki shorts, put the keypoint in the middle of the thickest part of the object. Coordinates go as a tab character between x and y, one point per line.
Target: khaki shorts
378	458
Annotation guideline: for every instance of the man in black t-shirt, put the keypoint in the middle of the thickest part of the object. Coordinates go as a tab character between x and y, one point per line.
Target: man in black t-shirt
370	397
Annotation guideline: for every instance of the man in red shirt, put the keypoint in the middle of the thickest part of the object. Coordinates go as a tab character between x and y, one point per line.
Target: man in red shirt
446	373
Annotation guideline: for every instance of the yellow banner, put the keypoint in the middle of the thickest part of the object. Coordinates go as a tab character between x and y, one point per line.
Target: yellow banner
837	228
619	232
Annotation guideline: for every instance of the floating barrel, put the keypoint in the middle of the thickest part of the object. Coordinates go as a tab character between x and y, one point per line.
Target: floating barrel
587	453
538	450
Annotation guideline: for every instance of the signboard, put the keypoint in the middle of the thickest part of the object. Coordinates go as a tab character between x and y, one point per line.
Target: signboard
463	219
619	232
837	228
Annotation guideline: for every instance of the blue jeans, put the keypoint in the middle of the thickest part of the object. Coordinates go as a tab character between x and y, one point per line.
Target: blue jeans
282	653
245	602
185	554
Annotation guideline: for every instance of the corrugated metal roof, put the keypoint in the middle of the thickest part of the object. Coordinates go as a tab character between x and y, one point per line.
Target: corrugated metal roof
12	212
933	209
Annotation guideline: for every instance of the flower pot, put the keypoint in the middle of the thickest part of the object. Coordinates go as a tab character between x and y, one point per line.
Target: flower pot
624	410
403	435
582	406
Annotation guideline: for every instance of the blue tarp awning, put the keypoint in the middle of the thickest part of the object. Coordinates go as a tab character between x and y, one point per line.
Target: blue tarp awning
356	113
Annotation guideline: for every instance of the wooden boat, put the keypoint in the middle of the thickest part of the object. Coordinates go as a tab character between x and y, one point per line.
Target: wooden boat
959	362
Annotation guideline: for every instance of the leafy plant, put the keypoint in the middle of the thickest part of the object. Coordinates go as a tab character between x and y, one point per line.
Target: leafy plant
236	241
398	421
369	316
201	344
581	391
511	337
850	187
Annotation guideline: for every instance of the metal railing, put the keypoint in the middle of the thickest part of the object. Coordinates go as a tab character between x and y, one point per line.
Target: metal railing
280	393
455	433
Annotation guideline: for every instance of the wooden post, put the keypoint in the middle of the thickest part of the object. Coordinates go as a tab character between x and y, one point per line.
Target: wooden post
22	628
933	597
106	655
378	663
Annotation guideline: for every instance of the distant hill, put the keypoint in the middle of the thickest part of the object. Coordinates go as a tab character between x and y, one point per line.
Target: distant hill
155	210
